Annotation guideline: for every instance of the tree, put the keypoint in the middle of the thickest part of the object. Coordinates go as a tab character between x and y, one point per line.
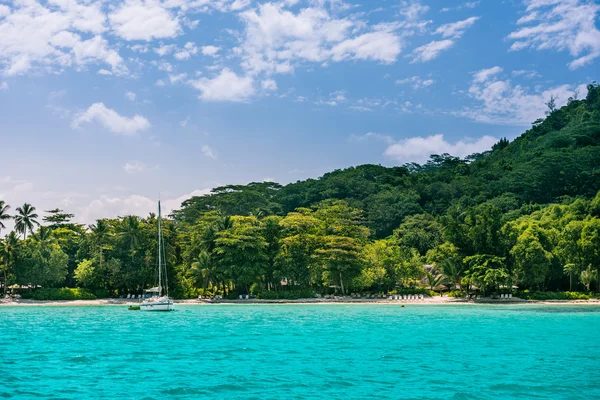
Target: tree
570	269
8	251
532	260
434	278
421	232
57	218
587	277
4	214
25	219
129	231
85	273
240	251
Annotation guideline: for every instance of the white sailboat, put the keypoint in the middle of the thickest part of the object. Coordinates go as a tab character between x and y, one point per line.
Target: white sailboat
158	299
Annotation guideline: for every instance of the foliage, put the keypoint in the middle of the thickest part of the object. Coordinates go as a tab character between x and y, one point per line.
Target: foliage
286	294
525	213
555	296
62	294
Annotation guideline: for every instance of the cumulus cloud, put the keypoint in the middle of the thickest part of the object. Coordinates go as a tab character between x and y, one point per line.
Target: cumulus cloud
48	37
110	206
227	86
130	95
560	25
277	38
210	50
269	84
111	120
501	102
418	149
431	50
188	50
144	20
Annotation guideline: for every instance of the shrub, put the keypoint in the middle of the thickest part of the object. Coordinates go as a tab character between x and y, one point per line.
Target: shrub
455	293
555	296
62	294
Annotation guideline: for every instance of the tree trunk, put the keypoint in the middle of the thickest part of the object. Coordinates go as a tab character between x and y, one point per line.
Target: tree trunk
570	282
342	284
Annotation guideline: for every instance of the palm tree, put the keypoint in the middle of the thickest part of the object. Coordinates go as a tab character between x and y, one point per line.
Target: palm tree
8	251
452	269
129	231
587	277
43	236
99	233
203	270
434	278
3	214
25	219
570	269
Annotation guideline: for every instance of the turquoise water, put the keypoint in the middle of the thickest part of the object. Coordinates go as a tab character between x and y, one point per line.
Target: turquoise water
301	352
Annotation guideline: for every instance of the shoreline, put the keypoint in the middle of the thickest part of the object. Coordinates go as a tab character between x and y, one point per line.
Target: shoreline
431	301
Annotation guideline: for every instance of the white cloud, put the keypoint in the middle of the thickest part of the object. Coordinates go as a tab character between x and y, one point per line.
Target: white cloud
104	72
416	81
501	102
144	20
276	38
188	50
456	29
335	98
269	84
110	206
165	49
431	50
418	149
484	74
134	167
227	86
208	152
560	25
174	78
111	120
130	95
529	74
160	83
47	37
413	10
210	50
378	46
4	85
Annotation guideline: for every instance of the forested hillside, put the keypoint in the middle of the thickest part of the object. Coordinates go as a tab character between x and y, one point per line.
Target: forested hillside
525	213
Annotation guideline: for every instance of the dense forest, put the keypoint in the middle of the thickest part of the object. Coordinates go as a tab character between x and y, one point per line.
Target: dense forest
525	215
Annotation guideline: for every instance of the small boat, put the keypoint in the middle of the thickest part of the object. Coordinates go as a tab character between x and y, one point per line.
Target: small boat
157	298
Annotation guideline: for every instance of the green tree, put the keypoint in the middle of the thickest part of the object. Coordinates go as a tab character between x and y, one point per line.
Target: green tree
4	214
8	250
25	219
532	260
421	232
571	269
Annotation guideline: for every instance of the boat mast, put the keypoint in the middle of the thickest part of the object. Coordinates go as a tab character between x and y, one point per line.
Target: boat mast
159	253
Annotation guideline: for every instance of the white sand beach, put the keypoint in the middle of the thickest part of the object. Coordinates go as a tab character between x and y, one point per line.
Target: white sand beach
316	301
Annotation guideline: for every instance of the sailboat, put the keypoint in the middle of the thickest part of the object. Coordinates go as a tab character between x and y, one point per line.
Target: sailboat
158	296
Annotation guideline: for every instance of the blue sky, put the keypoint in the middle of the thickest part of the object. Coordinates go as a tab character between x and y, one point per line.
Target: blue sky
106	104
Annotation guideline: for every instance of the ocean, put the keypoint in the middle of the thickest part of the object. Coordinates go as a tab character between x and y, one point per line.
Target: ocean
301	352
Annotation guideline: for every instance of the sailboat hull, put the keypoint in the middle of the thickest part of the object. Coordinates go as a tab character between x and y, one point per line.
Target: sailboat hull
158	306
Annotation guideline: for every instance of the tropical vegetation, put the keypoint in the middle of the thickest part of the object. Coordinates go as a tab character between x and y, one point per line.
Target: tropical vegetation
524	216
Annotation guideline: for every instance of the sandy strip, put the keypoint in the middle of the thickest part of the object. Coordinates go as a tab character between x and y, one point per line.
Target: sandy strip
342	300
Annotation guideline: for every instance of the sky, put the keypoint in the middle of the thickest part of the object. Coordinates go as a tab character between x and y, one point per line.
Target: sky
105	106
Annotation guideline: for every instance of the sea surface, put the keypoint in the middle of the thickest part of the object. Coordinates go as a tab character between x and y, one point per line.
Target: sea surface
301	352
